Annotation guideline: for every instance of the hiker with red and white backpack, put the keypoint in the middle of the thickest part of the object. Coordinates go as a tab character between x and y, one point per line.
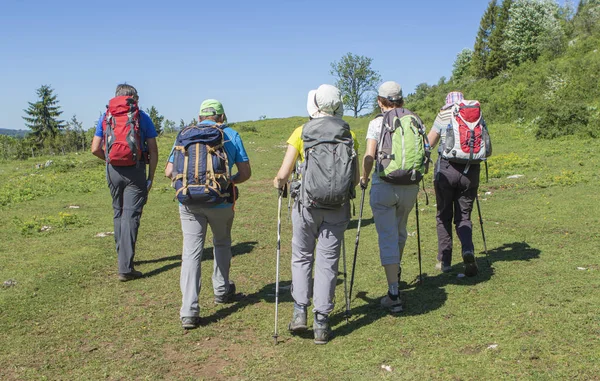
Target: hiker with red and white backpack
126	139
464	143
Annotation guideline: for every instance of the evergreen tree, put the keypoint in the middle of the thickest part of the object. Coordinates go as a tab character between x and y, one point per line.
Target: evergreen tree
481	50
42	116
497	60
157	119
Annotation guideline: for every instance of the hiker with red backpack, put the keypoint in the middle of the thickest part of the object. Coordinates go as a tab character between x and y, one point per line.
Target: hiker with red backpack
200	167
328	174
397	152
126	139
464	143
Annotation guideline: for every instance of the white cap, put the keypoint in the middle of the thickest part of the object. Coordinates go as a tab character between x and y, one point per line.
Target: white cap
390	90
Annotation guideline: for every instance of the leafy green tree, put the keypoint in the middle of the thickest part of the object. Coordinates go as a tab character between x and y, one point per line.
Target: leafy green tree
497	60
587	17
157	119
356	80
481	50
533	27
193	122
462	64
181	123
42	116
169	126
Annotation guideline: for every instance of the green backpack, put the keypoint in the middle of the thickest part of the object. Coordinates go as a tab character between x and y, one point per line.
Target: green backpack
403	151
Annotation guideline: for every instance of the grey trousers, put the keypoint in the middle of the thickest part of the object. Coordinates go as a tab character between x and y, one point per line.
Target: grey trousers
391	204
318	231
129	194
454	194
194	223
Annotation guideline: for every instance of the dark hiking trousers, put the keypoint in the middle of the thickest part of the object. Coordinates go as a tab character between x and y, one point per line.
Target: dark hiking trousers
129	193
454	193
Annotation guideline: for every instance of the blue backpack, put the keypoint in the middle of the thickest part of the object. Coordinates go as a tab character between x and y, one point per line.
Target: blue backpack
201	173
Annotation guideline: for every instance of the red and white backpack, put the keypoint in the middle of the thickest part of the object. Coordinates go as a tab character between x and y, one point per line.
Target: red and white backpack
467	139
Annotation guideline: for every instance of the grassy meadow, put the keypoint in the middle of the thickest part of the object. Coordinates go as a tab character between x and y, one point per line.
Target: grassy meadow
533	313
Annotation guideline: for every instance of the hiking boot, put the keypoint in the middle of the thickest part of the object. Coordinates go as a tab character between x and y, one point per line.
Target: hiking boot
470	263
130	276
321	328
392	303
443	267
298	322
190	322
228	297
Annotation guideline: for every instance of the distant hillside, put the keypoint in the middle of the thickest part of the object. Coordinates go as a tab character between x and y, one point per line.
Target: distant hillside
15	133
554	94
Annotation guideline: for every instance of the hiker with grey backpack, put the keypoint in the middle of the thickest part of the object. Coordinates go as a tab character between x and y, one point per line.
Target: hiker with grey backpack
200	167
464	143
321	210
398	153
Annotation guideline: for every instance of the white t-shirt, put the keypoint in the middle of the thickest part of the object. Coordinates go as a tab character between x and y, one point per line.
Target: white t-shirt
374	132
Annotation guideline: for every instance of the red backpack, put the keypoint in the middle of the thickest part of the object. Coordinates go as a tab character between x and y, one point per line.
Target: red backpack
121	130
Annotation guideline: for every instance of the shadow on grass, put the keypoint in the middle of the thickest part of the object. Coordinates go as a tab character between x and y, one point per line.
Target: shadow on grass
267	294
353	224
208	254
430	295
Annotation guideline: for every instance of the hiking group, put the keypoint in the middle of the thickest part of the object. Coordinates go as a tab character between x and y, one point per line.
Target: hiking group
322	159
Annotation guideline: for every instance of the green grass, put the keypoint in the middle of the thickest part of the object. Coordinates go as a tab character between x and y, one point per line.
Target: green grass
68	317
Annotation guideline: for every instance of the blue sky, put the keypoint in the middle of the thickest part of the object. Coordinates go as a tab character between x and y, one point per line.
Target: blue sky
257	57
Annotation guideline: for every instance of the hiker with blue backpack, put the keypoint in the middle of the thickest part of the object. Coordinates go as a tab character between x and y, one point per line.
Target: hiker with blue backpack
321	210
397	152
126	139
200	167
464	143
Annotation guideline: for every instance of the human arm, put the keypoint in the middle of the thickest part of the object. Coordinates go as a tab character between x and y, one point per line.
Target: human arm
367	163
433	137
244	171
287	166
97	149
153	160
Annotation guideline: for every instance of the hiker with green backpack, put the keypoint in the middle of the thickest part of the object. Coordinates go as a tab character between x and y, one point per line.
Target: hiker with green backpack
200	167
398	153
321	210
464	143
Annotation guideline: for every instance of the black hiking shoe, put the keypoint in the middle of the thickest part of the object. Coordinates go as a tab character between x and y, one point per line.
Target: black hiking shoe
298	322
470	264
130	276
190	322
321	328
228	297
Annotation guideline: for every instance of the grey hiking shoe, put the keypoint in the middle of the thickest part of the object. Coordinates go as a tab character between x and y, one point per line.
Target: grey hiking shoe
130	276
443	267
321	328
298	322
392	303
470	263
228	297
190	322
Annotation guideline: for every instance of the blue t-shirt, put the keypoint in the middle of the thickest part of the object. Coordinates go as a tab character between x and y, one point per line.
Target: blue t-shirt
147	129
234	149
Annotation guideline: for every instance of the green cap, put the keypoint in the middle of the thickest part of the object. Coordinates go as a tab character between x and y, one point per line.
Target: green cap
211	107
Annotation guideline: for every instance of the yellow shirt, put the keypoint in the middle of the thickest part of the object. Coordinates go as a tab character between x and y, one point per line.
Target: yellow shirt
295	140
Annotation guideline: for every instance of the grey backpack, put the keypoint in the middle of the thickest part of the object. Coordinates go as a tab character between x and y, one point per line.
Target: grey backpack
329	163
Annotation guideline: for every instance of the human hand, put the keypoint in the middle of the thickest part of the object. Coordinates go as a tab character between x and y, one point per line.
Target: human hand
364	183
279	183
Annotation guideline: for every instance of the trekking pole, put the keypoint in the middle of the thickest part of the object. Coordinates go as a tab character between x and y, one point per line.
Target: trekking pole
482	232
362	203
418	240
282	193
346	299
